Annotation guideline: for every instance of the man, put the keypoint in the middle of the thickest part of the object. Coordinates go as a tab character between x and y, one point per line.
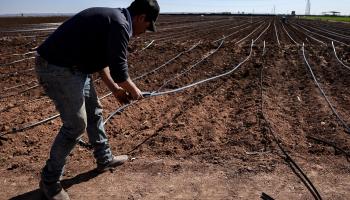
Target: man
94	40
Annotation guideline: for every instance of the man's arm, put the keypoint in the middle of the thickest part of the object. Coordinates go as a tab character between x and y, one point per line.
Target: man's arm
118	89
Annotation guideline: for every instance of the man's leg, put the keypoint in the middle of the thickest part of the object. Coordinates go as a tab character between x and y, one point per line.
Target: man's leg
96	132
95	129
66	90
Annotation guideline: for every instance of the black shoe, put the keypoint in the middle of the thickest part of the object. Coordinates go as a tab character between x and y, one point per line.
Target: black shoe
115	162
53	191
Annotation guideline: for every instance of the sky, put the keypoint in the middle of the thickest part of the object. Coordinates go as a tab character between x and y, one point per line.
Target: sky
234	6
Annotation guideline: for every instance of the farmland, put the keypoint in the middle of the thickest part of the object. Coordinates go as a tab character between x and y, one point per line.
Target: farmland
241	106
329	18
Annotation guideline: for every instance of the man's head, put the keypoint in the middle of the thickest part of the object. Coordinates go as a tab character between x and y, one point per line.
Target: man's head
144	14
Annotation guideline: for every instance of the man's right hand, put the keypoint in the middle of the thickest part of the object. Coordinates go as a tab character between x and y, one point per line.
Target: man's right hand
134	91
122	96
124	91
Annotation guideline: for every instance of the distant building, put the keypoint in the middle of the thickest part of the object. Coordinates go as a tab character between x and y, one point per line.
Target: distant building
334	13
293	13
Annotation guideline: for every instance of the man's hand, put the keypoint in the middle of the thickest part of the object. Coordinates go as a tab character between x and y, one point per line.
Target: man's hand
124	91
122	96
136	94
134	91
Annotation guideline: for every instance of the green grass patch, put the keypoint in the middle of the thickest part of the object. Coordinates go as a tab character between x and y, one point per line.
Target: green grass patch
329	18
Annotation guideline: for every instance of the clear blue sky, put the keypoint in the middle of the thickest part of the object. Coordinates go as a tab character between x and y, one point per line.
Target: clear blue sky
247	6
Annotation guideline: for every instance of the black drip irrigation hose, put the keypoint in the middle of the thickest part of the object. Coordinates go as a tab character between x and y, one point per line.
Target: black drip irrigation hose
19	54
169	61
332	39
14	130
289	35
229	35
264	196
317	40
154	94
17	61
147	94
291	163
18	86
347	129
149	44
29	30
335	53
195	31
329	32
264	49
278	41
191	67
249	34
262	32
20	92
336	148
157	93
15	73
31	52
161	66
22	102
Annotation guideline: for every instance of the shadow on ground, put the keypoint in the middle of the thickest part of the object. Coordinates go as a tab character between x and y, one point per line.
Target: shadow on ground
36	194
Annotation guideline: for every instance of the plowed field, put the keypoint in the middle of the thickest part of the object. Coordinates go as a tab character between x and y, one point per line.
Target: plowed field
277	103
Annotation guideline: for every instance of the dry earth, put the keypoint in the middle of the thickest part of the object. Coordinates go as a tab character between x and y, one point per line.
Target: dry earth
217	140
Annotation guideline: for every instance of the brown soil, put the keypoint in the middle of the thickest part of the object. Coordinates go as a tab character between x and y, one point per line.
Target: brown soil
211	141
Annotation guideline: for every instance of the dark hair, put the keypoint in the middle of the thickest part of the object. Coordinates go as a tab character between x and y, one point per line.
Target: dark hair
150	8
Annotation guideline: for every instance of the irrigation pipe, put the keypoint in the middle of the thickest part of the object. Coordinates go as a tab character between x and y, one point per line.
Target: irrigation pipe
147	46
191	67
30	125
335	53
23	102
265	196
322	35
289	35
161	66
21	54
194	30
16	73
153	94
31	52
264	49
17	86
347	155
221	27
278	41
331	29
17	61
329	32
29	30
14	130
249	34
317	40
229	35
197	23
157	93
291	163
21	92
262	32
347	129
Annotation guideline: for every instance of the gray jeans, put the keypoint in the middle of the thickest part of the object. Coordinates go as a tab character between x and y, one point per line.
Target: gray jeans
75	98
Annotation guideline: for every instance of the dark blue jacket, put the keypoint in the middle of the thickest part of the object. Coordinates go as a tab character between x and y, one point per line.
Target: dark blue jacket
90	41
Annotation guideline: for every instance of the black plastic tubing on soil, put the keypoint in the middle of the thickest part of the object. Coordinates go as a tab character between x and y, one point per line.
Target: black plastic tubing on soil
347	129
